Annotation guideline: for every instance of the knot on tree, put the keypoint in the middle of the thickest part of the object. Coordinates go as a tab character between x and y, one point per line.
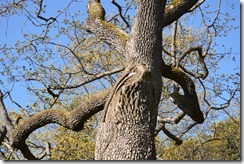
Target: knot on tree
132	77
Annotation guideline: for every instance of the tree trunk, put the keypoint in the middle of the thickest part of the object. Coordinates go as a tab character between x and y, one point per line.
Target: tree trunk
127	130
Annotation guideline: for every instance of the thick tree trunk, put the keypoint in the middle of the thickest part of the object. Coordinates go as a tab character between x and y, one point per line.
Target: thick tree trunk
127	130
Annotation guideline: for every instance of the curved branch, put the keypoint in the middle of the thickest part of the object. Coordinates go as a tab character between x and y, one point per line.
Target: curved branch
173	137
190	97
176	9
73	120
26	151
174	120
200	58
104	30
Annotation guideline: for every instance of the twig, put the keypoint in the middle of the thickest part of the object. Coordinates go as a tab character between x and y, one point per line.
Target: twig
120	13
11	150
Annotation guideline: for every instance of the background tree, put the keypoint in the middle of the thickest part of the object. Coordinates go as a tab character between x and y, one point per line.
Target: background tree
72	73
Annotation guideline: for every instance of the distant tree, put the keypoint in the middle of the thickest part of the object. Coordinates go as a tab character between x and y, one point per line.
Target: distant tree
222	144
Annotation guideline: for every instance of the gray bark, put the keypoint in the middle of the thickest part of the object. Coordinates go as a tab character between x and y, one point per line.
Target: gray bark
127	130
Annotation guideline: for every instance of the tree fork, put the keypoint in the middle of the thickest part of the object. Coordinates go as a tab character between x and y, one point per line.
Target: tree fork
127	130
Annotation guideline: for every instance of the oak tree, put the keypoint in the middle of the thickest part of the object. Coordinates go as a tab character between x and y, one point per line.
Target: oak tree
137	49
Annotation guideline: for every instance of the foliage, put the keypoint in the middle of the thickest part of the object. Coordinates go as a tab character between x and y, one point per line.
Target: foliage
222	144
70	145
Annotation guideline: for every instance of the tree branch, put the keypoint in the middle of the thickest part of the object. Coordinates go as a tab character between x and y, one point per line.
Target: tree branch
187	129
200	58
176	9
88	80
190	99
43	18
120	13
174	120
170	135
73	120
104	30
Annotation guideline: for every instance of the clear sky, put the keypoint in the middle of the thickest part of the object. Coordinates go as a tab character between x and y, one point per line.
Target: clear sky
12	28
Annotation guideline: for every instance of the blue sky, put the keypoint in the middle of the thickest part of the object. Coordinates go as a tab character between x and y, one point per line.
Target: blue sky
12	28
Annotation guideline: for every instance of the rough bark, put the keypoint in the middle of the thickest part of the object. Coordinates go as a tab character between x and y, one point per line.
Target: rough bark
127	130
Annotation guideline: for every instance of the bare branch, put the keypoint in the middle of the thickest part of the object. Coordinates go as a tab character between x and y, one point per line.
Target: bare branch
187	129
174	63
26	151
196	6
47	152
167	52
200	58
43	18
174	120
210	140
173	137
88	80
120	14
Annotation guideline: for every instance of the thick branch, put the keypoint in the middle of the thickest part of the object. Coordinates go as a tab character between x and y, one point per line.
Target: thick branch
74	119
190	99
104	30
174	120
176	9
